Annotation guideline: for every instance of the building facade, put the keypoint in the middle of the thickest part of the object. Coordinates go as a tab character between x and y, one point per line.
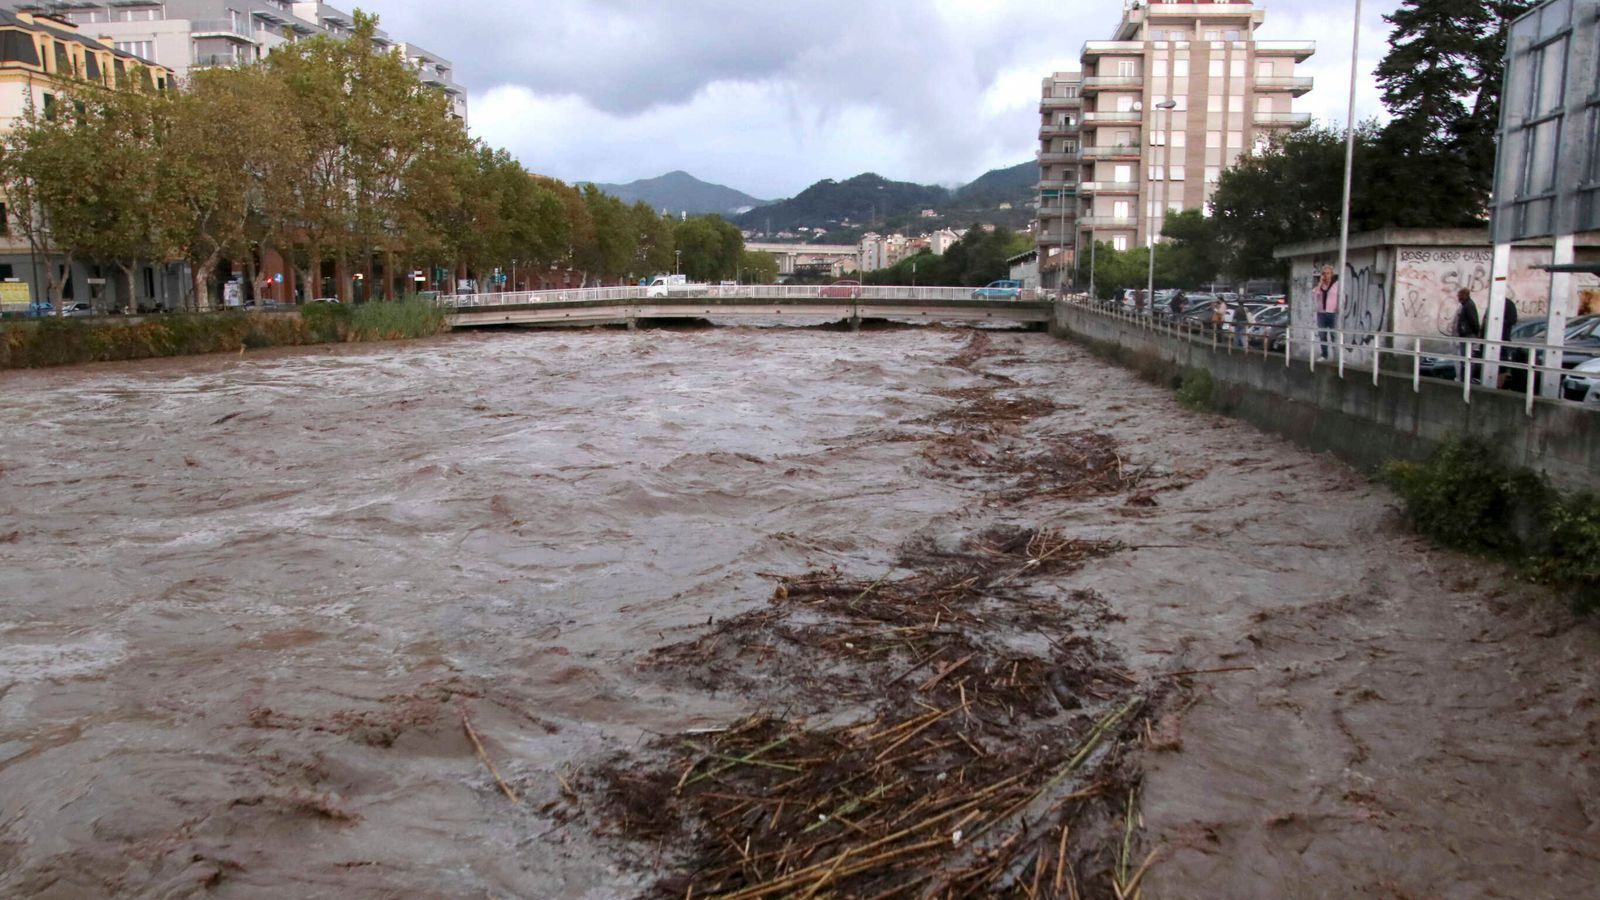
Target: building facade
1179	93
1060	118
186	34
39	59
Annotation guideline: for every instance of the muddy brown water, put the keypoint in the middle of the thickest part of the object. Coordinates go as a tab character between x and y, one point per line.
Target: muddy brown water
244	601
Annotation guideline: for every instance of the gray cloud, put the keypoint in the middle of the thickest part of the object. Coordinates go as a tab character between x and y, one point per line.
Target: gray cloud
770	97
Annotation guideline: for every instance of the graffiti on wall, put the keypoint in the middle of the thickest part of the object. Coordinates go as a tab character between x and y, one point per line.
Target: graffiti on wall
1427	280
1363	302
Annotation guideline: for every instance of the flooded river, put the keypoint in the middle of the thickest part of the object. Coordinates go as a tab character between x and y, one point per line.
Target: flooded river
245	602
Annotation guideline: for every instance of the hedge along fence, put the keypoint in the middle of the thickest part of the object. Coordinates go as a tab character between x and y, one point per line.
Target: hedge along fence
60	342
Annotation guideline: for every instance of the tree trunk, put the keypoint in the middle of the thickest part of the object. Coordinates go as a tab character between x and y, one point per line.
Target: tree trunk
127	277
388	275
341	275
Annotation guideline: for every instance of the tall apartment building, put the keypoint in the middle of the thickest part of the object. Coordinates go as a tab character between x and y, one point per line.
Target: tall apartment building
187	34
1060	120
1180	91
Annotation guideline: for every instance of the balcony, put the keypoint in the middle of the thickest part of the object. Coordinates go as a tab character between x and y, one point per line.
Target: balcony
1057	184
1118	151
1108	222
1053	102
223	28
1109	187
1116	117
1293	84
1056	129
1096	48
1300	50
1282	119
1096	83
1056	157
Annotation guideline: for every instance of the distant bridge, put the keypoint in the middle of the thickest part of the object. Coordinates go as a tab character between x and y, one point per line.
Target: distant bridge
629	305
830	259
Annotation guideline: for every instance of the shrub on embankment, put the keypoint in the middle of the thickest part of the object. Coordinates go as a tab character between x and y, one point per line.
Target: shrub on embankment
1465	497
60	342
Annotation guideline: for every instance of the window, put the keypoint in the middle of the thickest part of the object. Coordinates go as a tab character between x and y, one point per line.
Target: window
5	225
1125	102
1213	35
1120	209
1236	103
1214	103
49	106
1215	69
1236	68
1126	68
1176	173
1213	174
1235	139
1122	174
1124	139
1156	174
1180	68
1070	146
1214	139
1180	139
1232	35
1119	243
1158	68
63	61
1264	69
141	49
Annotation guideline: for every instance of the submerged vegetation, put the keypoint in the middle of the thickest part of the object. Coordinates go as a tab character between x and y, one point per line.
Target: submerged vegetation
1464	496
60	342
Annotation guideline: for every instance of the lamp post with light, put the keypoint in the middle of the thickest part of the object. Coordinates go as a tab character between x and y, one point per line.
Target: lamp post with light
1150	291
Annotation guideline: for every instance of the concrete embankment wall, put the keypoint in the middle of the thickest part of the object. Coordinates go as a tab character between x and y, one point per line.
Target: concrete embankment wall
1363	423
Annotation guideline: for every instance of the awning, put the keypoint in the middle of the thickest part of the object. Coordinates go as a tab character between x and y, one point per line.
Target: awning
1583	268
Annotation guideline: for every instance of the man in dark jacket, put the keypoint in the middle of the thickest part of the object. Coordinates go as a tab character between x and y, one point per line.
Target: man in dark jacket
1467	326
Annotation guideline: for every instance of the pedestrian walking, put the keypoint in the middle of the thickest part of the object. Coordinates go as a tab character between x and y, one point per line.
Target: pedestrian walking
1467	326
1325	296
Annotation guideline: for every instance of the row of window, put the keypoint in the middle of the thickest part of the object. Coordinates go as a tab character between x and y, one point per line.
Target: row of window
1183	34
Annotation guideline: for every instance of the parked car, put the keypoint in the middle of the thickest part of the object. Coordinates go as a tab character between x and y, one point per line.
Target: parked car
841	290
1584	382
1004	289
1529	330
1269	328
41	308
324	300
78	309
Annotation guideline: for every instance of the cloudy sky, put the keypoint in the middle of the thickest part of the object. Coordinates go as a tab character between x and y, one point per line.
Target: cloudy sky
770	97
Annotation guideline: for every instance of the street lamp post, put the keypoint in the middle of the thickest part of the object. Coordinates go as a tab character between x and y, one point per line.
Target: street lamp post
1349	150
1150	219
677	263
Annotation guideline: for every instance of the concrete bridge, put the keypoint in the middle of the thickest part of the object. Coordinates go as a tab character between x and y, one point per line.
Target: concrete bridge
628	305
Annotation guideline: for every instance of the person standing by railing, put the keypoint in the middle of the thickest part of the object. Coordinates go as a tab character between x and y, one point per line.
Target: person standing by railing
1468	327
1326	298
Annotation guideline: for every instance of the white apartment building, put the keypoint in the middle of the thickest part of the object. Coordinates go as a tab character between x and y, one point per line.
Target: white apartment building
1178	93
187	34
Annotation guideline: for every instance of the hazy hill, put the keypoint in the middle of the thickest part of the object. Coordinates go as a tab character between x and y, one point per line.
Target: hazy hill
829	203
1013	185
679	192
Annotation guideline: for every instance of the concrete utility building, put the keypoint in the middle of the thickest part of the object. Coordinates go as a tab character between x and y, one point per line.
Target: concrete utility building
1178	94
187	34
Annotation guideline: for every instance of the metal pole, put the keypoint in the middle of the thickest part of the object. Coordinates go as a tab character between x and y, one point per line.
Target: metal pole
1094	244
1150	219
1349	151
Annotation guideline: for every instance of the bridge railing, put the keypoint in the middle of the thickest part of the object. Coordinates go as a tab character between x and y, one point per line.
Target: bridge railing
1374	352
782	292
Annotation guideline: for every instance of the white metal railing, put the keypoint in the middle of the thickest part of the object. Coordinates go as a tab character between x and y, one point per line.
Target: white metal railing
1366	351
757	292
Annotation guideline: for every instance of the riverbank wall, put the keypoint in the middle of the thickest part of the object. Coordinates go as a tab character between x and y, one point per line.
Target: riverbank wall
40	343
1363	423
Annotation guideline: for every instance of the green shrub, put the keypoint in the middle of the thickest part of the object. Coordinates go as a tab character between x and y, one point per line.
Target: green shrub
1196	391
396	321
1464	496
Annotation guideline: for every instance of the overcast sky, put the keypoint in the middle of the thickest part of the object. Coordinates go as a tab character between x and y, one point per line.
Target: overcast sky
770	97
